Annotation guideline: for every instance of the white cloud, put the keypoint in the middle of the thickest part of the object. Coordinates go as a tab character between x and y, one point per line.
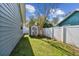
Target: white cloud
50	19
34	15
30	8
56	12
52	10
60	12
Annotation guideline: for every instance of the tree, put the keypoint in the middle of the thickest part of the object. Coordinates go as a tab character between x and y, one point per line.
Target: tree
42	18
47	24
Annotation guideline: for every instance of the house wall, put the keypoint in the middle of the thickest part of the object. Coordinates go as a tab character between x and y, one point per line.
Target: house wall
10	27
71	20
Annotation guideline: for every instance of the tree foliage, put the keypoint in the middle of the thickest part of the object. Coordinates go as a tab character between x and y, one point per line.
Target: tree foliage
47	24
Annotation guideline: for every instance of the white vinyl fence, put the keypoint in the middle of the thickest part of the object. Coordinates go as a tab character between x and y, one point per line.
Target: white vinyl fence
72	35
48	32
58	33
66	34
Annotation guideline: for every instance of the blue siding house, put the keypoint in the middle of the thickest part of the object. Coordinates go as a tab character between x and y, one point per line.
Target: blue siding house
71	19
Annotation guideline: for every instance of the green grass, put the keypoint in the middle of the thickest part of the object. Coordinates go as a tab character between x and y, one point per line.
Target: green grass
42	47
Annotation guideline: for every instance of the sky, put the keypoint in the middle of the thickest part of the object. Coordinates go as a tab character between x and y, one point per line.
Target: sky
62	8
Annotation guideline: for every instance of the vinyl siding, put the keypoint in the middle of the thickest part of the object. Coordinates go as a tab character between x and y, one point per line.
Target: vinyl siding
10	27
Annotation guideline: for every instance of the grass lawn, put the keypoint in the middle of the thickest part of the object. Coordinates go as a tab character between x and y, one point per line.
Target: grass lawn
28	46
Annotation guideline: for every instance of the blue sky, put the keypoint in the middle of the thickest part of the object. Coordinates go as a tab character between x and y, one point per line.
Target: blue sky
65	7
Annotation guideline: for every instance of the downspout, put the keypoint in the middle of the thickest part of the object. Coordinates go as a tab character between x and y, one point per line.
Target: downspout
22	12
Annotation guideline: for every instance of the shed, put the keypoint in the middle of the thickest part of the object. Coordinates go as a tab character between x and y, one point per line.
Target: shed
11	22
34	30
71	19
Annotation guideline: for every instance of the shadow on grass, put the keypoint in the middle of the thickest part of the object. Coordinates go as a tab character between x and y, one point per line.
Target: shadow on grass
60	48
40	37
23	48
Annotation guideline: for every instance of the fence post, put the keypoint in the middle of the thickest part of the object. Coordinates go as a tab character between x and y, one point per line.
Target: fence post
53	32
64	34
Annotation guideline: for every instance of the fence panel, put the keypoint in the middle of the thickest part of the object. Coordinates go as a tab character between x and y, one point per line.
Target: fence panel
67	34
48	32
72	35
58	33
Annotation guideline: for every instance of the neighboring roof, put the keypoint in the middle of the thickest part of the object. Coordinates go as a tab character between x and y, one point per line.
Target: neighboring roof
67	16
